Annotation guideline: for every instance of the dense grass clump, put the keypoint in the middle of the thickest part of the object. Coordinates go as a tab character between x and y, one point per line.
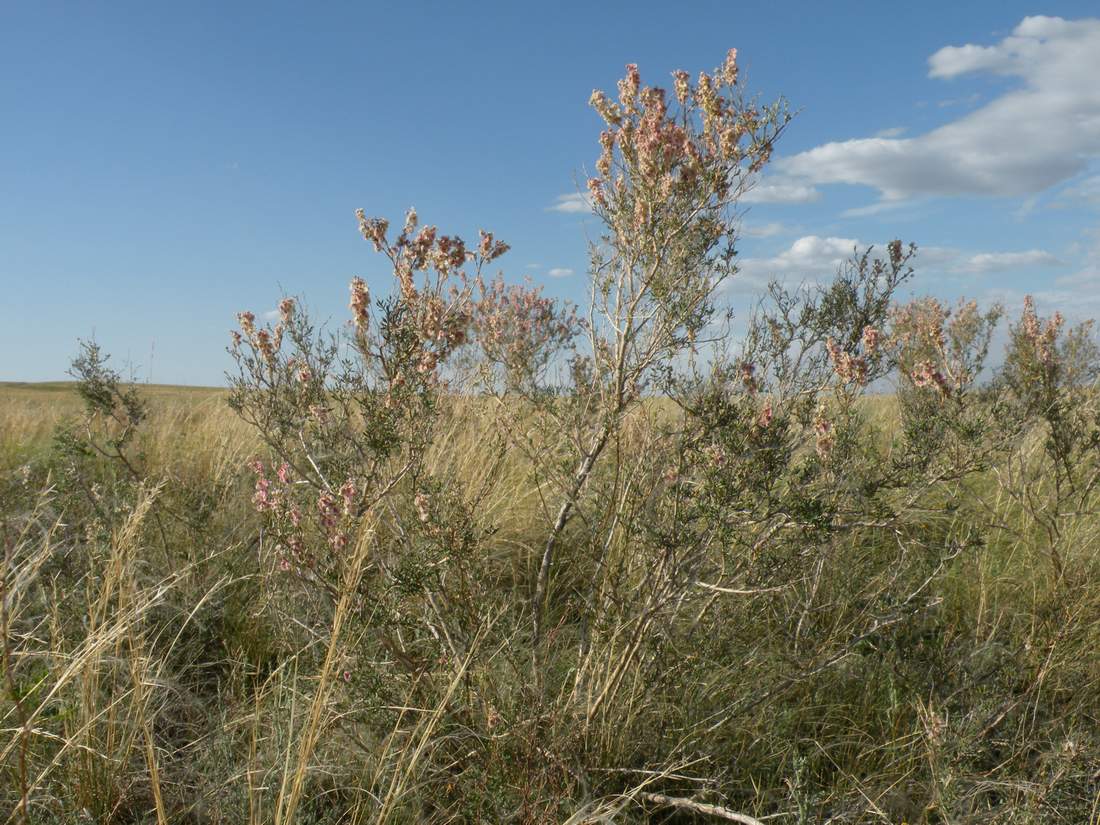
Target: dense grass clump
480	556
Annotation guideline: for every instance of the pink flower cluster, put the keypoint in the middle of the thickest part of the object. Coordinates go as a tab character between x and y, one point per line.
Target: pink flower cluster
414	251
441	310
262	498
896	252
871	338
490	249
938	347
328	510
927	375
274	496
849	368
374	229
661	153
266	342
247	320
333	512
267	498
349	492
359	303
301	371
920	324
764	420
1041	336
716	455
422	503
516	323
681	81
825	434
286	310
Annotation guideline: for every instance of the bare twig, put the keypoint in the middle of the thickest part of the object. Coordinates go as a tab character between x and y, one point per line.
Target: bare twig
700	808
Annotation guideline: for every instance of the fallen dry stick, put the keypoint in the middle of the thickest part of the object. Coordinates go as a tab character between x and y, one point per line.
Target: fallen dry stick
700	808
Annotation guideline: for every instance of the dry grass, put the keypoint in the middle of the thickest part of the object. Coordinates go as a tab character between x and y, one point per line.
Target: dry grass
154	673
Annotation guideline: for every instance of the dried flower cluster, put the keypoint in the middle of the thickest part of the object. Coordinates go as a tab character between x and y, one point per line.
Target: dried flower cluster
651	156
286	502
264	340
824	432
1040	335
941	348
519	328
848	367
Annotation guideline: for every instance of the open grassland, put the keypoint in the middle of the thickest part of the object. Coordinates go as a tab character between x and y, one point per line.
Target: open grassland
31	413
160	666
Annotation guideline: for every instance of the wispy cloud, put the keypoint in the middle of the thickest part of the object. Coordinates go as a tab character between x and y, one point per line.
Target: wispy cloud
814	257
1001	261
1084	191
778	190
574	203
764	230
969	100
877	208
559	272
1088	272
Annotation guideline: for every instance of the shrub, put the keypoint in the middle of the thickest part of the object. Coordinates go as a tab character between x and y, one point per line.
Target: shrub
481	555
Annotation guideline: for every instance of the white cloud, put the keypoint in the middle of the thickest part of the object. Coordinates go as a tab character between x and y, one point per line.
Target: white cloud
958	261
764	230
813	251
572	204
559	272
1001	261
813	257
892	132
780	191
809	257
1025	45
1076	305
1089	276
952	61
1020	143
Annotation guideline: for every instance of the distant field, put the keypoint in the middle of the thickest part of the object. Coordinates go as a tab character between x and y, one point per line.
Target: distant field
31	412
40	389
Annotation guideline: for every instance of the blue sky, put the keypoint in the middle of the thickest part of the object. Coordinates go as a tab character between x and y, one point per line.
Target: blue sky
163	166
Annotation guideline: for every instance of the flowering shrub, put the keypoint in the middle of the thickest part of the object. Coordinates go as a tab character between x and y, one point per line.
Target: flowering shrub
361	522
661	525
490	557
942	349
520	332
668	176
1044	359
1049	378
